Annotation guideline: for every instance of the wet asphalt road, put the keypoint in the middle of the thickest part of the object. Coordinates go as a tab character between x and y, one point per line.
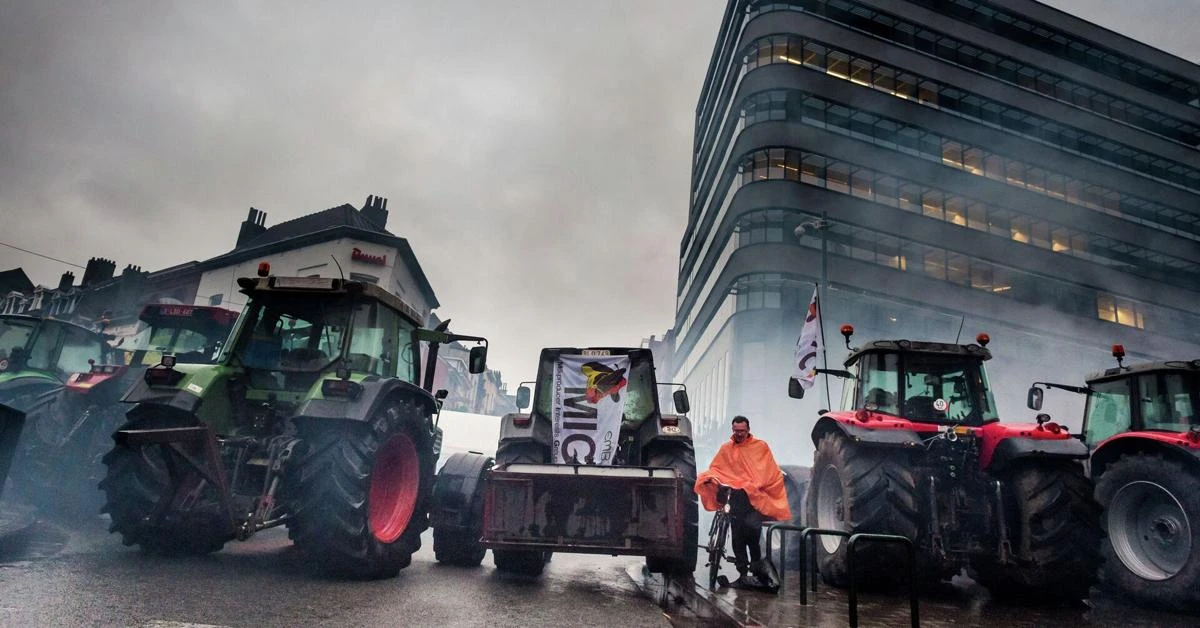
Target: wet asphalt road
78	575
54	576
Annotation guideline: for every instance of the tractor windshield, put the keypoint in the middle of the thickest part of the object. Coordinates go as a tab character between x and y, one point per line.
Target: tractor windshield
14	334
291	333
940	388
1108	410
194	335
1168	401
639	394
58	348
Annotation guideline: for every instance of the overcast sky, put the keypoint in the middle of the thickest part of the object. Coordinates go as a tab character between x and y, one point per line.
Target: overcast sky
536	154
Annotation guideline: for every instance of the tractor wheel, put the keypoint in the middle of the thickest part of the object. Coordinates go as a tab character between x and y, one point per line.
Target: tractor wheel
61	458
457	510
363	491
1054	531
523	562
135	481
1152	516
795	481
682	459
861	489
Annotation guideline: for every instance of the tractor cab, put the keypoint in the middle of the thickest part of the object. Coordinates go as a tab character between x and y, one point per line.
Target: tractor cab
46	349
194	334
922	382
1153	397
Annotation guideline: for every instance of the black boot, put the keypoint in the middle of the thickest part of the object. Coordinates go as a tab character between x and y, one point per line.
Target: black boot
764	573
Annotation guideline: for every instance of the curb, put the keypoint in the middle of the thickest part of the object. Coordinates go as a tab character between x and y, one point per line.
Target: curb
684	601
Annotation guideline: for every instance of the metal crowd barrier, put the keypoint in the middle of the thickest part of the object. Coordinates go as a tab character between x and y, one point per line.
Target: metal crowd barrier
808	563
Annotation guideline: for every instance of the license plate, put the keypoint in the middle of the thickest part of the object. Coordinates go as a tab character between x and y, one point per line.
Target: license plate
595	353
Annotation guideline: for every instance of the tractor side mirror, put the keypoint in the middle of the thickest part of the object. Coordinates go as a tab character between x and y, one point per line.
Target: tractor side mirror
477	361
441	394
1035	398
682	405
795	389
522	397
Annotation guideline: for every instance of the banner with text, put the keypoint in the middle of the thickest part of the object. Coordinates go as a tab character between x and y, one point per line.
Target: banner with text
588	403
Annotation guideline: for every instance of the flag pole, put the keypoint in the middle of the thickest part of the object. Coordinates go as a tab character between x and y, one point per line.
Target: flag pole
824	350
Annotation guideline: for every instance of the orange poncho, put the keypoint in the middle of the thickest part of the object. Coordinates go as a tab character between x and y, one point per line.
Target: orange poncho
749	466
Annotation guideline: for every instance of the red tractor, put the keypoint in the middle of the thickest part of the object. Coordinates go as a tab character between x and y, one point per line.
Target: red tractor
1142	424
918	451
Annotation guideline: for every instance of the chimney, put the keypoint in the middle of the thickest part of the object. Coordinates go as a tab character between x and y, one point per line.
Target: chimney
252	227
98	270
375	210
67	280
134	272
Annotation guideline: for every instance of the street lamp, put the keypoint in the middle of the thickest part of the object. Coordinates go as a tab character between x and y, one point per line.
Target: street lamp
817	226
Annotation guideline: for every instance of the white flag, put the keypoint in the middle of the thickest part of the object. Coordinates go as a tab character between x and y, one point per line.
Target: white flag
808	346
589	399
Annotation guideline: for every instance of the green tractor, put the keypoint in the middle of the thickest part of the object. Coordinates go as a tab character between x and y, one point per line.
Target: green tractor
37	357
312	417
59	459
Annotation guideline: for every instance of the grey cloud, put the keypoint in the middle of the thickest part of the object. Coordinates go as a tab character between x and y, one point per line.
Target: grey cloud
536	154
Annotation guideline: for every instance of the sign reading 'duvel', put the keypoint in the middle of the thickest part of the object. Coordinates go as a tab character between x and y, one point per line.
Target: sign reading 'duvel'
358	255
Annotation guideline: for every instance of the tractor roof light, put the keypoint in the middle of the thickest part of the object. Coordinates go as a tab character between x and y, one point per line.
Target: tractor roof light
264	269
847	331
983	339
1118	352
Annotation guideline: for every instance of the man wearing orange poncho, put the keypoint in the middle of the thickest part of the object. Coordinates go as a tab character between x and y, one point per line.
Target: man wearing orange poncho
746	464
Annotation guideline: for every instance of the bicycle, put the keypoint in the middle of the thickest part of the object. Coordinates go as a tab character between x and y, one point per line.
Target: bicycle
717	533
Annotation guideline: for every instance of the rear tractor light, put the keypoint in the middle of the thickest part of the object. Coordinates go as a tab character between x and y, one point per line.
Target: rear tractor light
669	421
159	376
522	420
341	388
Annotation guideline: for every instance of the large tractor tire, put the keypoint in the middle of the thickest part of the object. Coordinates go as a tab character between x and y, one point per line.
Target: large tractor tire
681	458
795	482
137	479
1152	516
522	562
457	510
363	492
1054	531
861	489
61	458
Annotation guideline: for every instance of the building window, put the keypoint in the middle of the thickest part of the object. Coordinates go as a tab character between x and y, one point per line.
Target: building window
1120	311
216	299
931	93
905	138
1011	70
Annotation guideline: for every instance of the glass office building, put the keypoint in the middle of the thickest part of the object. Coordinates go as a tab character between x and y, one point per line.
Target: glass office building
982	166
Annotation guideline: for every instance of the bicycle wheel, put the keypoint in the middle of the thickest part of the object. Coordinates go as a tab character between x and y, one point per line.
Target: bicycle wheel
716	547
